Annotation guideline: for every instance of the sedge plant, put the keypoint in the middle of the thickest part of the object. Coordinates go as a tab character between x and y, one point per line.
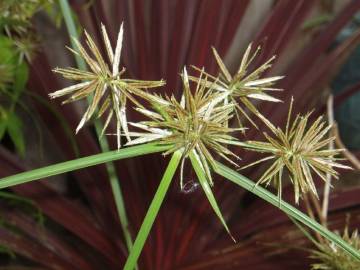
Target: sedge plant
197	127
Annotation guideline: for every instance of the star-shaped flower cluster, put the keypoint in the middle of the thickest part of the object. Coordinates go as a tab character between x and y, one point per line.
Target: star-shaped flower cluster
198	124
301	150
244	85
104	84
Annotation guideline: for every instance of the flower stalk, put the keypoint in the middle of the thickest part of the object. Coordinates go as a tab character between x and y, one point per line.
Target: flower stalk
153	211
99	128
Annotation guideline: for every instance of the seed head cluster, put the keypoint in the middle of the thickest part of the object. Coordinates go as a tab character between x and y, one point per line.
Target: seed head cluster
300	150
105	84
200	123
329	256
197	123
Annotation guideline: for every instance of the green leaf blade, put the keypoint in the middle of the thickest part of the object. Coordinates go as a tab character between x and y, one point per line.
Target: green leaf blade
15	131
21	77
249	185
80	163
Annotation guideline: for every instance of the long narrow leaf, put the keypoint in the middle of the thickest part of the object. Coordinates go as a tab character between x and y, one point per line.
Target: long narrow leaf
285	207
80	163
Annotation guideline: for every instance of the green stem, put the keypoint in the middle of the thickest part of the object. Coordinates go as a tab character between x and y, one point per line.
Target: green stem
152	212
80	163
104	145
70	25
285	207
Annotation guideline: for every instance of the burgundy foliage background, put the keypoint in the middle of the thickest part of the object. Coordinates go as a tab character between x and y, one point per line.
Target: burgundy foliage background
81	229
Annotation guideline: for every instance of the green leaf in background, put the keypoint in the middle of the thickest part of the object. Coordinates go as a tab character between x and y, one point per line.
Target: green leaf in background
7	64
2	129
17	74
3	122
12	124
14	129
7	52
6	49
21	77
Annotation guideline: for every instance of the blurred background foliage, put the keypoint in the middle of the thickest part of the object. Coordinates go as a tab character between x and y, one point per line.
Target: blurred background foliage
18	43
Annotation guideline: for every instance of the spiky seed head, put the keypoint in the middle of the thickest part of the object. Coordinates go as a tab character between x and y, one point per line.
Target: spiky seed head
301	150
244	85
103	84
198	122
330	257
195	126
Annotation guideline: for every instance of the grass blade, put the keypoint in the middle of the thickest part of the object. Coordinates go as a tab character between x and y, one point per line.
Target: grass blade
80	163
152	211
249	185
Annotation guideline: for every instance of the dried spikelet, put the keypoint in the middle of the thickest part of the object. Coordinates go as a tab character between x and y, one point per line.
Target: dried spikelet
244	85
301	150
330	257
104	84
197	123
